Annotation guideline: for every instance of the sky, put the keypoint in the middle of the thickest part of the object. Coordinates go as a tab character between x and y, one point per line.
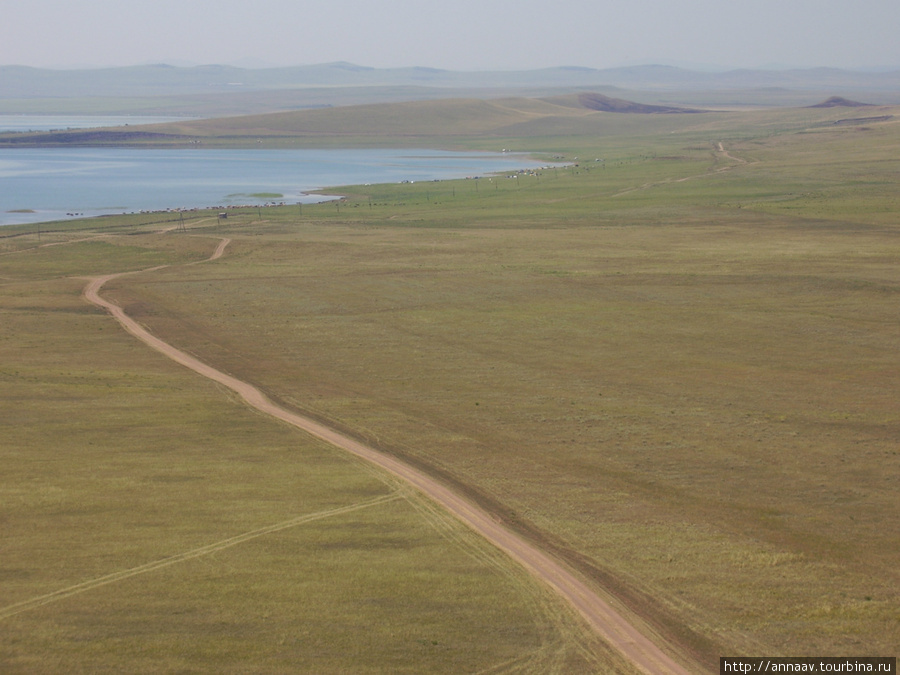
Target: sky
467	35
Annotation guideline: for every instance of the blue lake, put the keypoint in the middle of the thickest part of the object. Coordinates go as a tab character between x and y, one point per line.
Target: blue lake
38	185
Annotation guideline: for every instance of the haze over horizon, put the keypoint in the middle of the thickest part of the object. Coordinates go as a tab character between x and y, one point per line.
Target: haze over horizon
470	35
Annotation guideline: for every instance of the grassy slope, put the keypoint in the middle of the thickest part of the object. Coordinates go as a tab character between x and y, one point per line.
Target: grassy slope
685	386
417	123
459	117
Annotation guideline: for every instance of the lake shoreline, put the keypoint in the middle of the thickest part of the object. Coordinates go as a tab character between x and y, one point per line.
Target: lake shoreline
48	185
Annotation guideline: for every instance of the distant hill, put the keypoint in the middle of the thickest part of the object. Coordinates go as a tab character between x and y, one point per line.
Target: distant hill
442	118
839	102
221	91
161	79
394	122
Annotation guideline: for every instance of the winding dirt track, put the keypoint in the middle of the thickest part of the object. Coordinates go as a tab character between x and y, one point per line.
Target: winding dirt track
610	625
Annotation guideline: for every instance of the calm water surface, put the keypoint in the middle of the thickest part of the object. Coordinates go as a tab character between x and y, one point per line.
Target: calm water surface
38	185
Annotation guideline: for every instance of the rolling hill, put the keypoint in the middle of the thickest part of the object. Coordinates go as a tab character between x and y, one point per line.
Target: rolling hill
455	118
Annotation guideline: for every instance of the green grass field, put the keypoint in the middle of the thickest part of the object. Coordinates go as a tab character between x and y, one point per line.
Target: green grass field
676	368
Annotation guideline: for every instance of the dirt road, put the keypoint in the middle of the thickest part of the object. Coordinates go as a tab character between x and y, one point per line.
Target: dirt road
731	157
608	623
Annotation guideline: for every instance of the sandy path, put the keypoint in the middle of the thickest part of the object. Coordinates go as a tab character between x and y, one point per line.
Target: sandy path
609	624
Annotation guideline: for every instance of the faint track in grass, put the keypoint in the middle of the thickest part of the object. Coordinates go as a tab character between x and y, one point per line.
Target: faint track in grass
75	589
609	623
721	150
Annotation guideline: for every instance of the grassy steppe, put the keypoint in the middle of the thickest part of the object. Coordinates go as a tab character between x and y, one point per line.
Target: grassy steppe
125	480
676	367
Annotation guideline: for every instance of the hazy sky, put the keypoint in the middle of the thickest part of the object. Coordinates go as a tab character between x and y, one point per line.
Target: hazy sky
452	34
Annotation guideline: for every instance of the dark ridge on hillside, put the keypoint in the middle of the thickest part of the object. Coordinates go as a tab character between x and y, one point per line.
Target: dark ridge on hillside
602	103
839	102
618	105
91	137
865	120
